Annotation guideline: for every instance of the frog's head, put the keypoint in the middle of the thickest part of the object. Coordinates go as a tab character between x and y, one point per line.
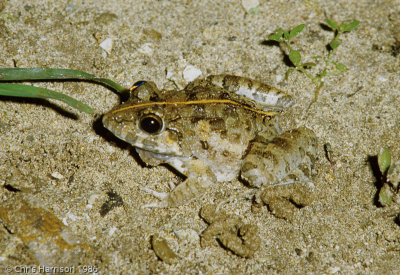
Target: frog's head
142	121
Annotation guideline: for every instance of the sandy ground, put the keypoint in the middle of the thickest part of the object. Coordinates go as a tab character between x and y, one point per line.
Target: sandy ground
61	170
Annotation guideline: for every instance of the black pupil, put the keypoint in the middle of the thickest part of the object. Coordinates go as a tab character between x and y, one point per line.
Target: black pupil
150	125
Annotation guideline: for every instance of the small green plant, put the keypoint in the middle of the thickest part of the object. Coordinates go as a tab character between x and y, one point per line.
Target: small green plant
47	74
330	67
390	178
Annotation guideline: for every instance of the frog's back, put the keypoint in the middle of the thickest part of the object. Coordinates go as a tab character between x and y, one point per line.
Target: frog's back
205	90
214	125
223	111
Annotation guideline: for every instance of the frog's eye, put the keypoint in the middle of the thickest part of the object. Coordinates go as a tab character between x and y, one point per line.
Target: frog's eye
151	124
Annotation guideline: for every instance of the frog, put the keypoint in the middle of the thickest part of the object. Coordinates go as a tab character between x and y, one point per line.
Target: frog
217	129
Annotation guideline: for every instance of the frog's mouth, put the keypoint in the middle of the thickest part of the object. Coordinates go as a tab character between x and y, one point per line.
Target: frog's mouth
144	154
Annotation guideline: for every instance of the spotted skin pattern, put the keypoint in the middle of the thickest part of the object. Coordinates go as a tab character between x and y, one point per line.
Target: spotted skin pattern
215	130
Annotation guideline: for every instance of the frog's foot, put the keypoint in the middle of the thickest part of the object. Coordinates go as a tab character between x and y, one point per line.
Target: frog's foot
298	176
246	195
198	181
284	200
268	163
244	243
184	192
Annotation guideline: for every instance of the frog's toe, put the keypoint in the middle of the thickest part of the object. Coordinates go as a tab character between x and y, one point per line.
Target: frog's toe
158	195
161	204
254	177
164	198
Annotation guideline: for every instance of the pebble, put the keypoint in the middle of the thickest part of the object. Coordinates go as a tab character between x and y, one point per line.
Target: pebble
57	175
249	4
107	45
112	231
162	250
188	235
146	49
190	73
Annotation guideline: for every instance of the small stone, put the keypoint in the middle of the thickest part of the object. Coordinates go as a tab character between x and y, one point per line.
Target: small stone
279	78
190	73
333	270
107	45
153	34
57	175
188	235
70	8
170	73
112	231
146	49
162	250
93	198
105	18
249	4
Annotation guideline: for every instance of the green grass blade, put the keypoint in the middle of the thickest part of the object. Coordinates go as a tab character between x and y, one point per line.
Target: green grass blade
27	74
19	90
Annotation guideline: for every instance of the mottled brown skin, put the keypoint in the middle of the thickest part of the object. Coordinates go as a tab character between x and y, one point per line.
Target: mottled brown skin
233	234
190	124
211	132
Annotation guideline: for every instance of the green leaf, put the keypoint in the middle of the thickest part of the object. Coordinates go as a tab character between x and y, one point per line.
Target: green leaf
295	57
296	30
332	24
285	35
275	37
341	26
385	196
350	26
384	160
46	74
279	32
341	67
334	43
19	90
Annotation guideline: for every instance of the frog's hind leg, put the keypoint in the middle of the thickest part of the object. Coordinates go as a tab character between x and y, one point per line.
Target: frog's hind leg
199	178
270	162
269	97
284	200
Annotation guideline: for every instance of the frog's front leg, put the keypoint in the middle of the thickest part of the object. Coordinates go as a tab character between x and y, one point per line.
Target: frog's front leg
267	163
199	178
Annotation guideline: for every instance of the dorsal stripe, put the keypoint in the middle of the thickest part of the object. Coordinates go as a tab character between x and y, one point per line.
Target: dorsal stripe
192	102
